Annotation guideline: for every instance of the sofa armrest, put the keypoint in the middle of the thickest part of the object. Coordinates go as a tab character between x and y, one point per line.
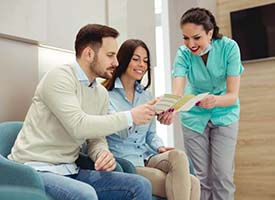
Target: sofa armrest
16	174
126	165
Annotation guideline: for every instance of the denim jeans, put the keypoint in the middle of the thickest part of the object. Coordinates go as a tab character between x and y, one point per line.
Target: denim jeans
93	185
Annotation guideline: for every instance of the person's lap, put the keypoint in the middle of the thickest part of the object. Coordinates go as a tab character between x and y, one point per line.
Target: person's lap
89	184
63	187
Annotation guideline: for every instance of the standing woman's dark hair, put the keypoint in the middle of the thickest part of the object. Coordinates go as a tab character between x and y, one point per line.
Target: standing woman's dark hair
124	56
201	16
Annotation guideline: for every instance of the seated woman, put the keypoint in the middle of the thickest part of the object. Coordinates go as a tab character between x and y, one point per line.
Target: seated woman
140	144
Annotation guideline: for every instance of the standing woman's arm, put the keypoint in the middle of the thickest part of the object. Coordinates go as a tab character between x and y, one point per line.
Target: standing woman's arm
234	70
232	92
228	99
179	85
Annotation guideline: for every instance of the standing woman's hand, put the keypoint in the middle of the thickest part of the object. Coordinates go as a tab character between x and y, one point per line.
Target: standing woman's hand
208	102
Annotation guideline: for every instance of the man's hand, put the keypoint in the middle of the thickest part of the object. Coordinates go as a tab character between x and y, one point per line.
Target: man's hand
164	149
105	161
166	117
144	113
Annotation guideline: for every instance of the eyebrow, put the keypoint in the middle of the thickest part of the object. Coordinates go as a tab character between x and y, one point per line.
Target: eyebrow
196	35
139	56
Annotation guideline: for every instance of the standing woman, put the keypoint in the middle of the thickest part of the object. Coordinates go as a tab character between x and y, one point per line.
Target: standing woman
209	62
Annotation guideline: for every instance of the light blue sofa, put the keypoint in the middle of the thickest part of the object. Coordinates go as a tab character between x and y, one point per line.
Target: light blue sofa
17	181
21	181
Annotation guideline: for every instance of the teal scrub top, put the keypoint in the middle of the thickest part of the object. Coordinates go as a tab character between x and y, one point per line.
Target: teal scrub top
223	60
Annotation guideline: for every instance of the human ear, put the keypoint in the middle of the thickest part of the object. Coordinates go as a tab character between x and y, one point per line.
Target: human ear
210	34
89	54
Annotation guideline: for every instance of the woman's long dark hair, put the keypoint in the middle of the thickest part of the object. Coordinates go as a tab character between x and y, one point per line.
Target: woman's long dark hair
124	56
201	16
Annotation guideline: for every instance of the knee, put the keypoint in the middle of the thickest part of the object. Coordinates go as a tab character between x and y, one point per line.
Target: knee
178	156
222	176
87	193
143	185
195	183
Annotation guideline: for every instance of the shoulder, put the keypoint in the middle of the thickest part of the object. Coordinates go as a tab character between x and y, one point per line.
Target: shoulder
145	96
61	73
62	76
225	42
115	97
183	57
226	47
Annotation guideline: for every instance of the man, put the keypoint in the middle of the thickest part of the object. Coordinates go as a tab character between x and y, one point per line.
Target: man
68	108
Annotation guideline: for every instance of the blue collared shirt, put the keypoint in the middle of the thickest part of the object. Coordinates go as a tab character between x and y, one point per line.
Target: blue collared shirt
81	76
138	142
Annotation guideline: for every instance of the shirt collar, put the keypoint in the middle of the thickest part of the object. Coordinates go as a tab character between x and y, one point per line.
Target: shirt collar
138	87
81	76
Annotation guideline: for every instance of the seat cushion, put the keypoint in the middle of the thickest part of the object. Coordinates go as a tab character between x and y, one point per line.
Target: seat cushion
22	193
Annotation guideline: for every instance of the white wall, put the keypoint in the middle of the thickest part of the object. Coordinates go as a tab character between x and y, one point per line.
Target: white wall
24	19
66	17
18	78
134	19
29	23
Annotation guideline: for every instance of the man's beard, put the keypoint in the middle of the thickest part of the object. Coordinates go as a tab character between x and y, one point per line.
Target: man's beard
95	68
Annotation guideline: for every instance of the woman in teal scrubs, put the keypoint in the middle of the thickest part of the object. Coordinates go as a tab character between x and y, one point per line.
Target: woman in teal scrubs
209	62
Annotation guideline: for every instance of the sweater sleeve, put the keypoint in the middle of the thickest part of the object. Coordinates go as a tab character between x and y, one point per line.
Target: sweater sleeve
97	145
58	92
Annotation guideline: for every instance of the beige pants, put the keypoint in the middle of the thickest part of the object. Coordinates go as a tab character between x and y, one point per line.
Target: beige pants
170	177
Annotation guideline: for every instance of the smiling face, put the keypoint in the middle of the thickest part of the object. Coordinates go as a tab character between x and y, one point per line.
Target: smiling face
195	37
138	64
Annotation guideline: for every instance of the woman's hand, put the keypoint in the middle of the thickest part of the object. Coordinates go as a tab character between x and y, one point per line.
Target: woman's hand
166	117
164	149
208	102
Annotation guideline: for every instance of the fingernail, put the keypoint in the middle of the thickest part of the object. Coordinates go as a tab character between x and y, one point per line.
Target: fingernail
198	103
162	113
172	110
169	109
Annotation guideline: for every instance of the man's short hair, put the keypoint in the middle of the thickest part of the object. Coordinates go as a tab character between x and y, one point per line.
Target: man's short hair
91	35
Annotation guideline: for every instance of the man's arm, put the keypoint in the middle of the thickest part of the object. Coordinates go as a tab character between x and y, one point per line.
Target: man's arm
59	93
97	145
